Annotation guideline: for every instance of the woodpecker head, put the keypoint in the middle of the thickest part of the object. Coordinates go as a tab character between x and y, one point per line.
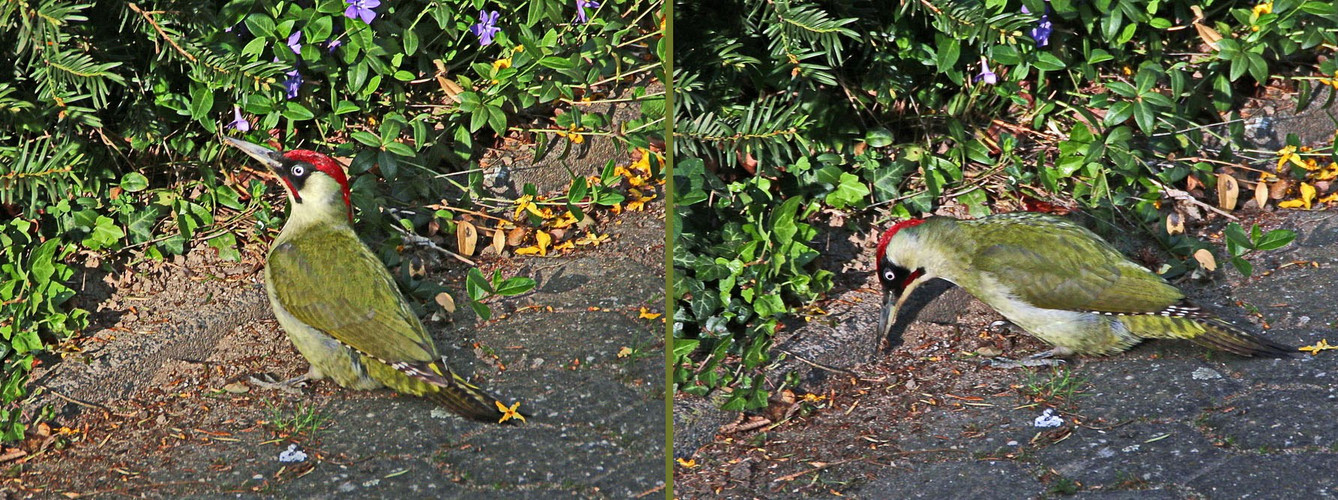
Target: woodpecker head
316	184
897	275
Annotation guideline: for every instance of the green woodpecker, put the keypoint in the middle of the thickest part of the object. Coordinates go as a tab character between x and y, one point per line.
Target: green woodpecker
1058	281
339	304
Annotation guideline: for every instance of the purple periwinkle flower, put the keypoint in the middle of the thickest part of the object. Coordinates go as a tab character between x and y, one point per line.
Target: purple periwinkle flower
362	9
293	42
1041	33
330	45
293	83
581	5
487	28
986	75
238	123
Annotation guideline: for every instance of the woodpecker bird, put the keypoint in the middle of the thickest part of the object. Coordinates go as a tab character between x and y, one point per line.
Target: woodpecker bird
339	304
1058	281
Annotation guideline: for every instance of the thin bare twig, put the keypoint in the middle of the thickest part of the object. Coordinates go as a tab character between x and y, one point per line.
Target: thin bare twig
161	32
422	241
1179	195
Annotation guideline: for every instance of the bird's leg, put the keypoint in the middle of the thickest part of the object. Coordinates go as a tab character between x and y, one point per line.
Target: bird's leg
290	386
1043	358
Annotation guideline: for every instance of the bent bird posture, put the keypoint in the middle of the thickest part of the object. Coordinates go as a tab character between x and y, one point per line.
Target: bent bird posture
1055	279
339	304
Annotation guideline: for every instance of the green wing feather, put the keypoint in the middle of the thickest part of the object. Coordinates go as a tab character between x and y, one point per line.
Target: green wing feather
1071	267
361	306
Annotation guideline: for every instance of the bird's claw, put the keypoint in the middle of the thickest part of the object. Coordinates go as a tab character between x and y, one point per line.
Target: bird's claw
291	386
1030	362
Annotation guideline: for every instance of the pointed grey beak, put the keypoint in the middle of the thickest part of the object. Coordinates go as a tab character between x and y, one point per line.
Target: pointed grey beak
270	159
889	314
892	303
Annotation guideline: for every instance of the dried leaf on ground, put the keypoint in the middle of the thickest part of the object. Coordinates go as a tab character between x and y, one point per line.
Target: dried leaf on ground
466	237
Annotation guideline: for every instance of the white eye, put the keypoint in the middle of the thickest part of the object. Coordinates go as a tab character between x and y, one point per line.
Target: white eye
299	171
889	275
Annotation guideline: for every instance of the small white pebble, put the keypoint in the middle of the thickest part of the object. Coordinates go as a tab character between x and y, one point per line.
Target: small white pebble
1048	419
1105	452
292	454
1131	448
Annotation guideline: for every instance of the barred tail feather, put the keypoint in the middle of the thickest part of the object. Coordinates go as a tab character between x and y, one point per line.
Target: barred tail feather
466	399
1189	323
1224	336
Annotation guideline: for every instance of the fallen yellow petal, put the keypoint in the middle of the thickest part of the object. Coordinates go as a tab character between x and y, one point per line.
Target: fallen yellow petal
1291	204
1322	345
646	314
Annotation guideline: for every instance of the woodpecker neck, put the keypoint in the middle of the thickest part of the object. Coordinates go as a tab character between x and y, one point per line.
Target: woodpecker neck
320	200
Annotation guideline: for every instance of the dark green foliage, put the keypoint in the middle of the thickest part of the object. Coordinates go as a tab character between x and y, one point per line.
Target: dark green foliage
912	105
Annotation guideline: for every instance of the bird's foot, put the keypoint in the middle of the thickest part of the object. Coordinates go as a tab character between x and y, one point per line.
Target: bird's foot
1045	358
291	386
1022	363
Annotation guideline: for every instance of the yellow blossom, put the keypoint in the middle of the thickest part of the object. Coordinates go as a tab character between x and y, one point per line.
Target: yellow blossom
501	64
509	413
624	352
813	398
691	464
1263	8
526	204
566	245
573	134
1289	154
646	314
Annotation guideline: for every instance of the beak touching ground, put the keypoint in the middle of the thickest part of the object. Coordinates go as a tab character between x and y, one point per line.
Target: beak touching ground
269	158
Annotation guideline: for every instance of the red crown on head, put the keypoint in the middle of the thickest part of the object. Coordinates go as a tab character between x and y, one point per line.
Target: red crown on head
887	236
329	166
